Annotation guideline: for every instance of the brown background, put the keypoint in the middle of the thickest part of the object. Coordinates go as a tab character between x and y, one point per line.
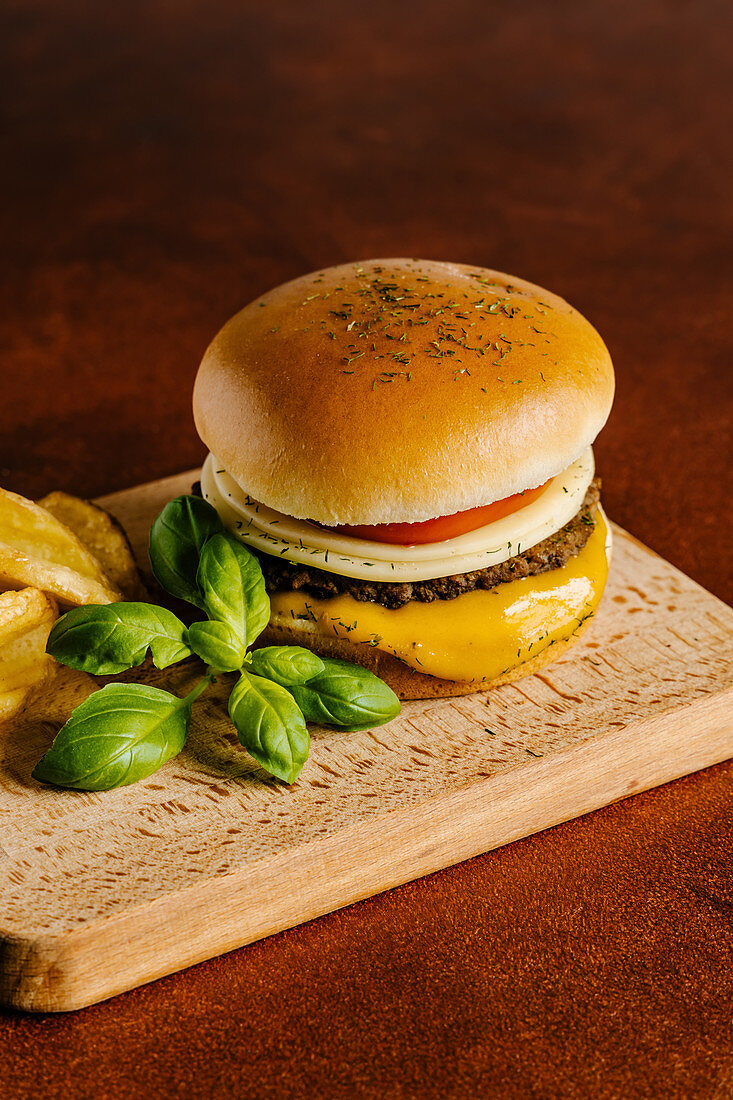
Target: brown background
163	162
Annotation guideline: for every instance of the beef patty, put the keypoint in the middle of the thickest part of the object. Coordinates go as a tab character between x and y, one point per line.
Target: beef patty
551	553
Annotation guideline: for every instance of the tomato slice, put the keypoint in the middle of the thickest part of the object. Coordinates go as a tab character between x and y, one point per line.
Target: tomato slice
444	527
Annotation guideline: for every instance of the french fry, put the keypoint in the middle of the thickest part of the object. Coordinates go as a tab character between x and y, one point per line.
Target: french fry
38	551
26	618
103	536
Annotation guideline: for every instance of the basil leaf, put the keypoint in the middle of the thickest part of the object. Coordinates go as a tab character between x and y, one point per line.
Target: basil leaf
347	696
177	538
233	587
108	638
217	645
120	734
270	726
286	664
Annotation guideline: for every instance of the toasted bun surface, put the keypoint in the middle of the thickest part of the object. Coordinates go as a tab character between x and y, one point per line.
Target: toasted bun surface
399	390
407	683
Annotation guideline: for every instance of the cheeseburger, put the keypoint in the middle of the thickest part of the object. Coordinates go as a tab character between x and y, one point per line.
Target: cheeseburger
406	447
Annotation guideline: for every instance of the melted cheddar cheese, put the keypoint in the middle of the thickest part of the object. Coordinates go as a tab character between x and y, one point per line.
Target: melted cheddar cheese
474	637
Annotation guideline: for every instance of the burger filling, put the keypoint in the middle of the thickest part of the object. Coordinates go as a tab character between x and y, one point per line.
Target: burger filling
476	637
553	552
471	625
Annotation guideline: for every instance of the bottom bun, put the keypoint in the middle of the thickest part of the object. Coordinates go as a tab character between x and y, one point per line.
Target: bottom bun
406	682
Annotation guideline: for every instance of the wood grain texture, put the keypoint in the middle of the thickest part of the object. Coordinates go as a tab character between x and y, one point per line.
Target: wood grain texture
162	164
102	892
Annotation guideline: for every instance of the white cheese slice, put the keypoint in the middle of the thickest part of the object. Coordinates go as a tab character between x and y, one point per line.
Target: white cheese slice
307	544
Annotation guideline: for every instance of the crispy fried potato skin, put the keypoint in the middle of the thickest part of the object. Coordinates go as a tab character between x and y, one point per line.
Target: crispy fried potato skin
61	550
26	618
103	536
38	551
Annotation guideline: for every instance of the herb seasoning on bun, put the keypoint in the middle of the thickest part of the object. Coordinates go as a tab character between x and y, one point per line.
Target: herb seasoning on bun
406	446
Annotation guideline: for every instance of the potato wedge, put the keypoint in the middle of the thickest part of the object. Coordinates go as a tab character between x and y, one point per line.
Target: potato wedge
103	536
26	618
38	551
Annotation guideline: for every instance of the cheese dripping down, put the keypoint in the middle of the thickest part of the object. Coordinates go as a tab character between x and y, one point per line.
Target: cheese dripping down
476	637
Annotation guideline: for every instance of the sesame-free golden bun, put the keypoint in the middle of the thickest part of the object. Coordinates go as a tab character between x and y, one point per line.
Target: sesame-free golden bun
399	390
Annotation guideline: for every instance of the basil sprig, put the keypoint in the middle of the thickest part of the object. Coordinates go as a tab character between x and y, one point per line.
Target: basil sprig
270	725
286	664
217	644
125	732
347	696
120	734
232	587
105	639
177	538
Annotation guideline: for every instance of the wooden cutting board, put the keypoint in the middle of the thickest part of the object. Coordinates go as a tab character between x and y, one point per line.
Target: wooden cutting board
102	892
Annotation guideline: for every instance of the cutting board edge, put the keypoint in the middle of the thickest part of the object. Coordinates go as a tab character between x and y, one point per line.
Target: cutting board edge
51	973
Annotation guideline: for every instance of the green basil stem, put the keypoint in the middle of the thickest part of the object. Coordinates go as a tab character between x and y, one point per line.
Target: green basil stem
200	687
